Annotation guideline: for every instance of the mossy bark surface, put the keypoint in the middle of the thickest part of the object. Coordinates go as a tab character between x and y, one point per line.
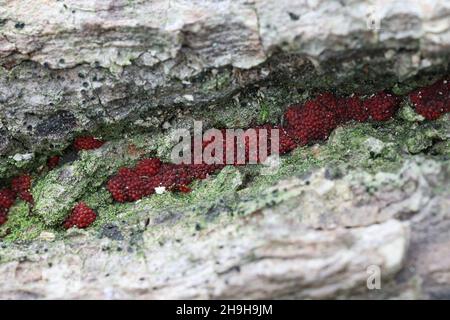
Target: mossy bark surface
373	194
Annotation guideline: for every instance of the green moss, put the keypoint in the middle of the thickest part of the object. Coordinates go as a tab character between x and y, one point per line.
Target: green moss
22	224
253	107
441	148
372	147
407	113
300	161
217	82
421	80
56	193
264	113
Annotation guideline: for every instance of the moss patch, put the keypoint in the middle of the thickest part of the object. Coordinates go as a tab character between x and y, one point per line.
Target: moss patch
234	191
22	224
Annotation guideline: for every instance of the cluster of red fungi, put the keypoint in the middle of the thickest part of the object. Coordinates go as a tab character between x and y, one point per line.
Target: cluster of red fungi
20	188
81	216
304	123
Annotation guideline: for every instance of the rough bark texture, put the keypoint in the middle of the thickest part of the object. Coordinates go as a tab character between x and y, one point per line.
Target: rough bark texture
75	65
314	237
372	196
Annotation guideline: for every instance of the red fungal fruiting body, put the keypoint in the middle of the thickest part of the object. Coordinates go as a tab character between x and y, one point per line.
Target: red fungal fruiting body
432	101
148	167
431	109
21	185
327	100
26	196
131	184
201	171
53	162
305	123
310	122
334	105
7	198
87	143
381	106
256	145
315	119
286	143
184	189
355	109
127	185
173	175
81	217
116	187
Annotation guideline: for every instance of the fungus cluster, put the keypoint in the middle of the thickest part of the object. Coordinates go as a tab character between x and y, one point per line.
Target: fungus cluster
87	143
316	119
131	184
150	175
7	199
81	217
433	101
20	188
53	162
261	137
304	123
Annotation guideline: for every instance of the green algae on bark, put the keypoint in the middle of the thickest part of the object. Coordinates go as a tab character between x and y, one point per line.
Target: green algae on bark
22	225
369	146
350	147
57	192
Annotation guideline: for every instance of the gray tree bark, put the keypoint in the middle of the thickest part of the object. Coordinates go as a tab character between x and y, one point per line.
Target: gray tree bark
74	66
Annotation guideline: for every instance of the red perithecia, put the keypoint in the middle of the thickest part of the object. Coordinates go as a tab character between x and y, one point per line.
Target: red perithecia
355	110
127	185
183	189
255	142
7	198
310	122
53	162
315	119
148	167
381	106
81	217
264	132
304	123
87	143
21	185
433	101
131	184
334	105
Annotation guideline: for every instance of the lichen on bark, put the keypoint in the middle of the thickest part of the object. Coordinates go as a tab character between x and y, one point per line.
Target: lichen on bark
373	194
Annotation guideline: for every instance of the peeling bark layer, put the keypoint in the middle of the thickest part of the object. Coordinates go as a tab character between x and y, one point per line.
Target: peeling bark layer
293	244
372	196
72	66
